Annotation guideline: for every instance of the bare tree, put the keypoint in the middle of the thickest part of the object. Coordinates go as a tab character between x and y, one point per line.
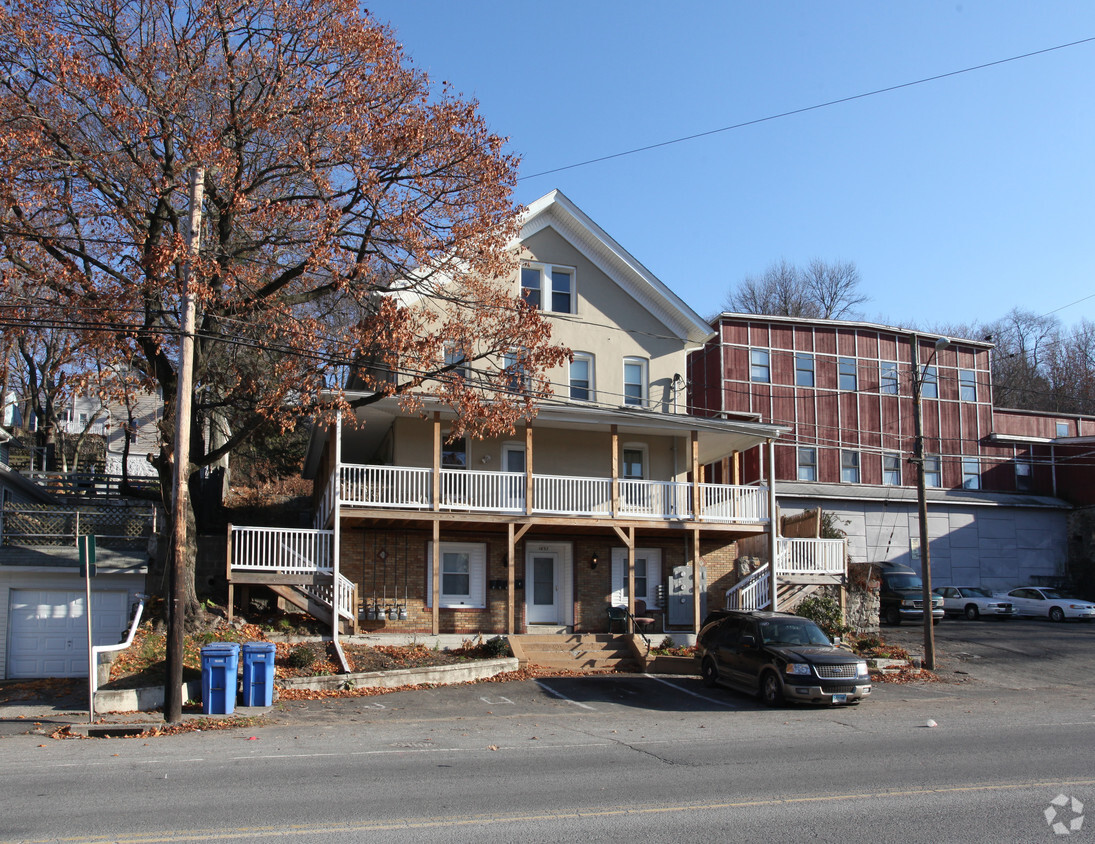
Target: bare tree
821	291
833	287
1019	376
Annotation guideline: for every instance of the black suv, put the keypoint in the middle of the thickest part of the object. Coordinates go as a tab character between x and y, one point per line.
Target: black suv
901	597
779	657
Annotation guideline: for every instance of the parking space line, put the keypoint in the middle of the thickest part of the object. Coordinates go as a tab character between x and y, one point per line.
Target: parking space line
561	696
725	703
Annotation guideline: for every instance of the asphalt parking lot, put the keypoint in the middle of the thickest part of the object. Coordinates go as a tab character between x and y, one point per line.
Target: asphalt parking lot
1014	654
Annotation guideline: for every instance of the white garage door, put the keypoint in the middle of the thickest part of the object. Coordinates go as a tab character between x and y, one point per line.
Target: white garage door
47	630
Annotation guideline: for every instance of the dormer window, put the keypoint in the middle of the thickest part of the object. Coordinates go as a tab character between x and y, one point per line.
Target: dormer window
548	287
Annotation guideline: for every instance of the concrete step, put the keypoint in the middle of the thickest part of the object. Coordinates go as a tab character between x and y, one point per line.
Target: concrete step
568	637
576	652
587	664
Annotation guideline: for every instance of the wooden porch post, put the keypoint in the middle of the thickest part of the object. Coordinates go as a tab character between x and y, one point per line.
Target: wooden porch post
515	536
615	471
628	539
696	580
511	545
435	496
773	525
529	487
435	564
696	475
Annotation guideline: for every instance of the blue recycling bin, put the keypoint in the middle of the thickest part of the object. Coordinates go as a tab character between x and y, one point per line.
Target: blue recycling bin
220	665
258	674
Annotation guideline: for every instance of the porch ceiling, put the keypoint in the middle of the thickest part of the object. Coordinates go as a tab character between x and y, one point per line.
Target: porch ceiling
717	438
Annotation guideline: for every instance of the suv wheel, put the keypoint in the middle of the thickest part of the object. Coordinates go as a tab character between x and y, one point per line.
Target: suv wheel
771	692
709	672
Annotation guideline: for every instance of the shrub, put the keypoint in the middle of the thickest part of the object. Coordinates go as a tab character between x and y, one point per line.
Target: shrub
497	647
302	657
825	613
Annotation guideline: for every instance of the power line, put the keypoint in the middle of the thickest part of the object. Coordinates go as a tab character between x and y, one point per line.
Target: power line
806	109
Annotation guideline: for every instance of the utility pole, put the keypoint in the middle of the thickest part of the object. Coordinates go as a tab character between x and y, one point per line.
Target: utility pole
176	623
922	497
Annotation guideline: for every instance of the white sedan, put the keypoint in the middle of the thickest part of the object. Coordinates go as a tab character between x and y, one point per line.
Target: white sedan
974	602
1049	603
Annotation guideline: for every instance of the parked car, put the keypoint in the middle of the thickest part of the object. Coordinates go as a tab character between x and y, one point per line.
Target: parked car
901	596
779	657
1041	602
974	602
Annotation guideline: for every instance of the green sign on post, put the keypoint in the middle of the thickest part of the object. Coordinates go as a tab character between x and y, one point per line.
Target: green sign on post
86	544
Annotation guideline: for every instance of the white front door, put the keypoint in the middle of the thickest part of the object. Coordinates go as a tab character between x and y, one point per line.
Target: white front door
513	461
542	587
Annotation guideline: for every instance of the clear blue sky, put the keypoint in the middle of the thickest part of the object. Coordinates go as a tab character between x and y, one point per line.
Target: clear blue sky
958	199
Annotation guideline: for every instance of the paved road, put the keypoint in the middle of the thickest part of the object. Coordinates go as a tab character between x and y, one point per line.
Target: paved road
612	758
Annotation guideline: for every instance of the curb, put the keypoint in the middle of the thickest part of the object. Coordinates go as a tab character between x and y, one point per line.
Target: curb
436	675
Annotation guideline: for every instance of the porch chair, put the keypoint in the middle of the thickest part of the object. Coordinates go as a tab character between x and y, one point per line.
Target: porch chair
643	622
617	615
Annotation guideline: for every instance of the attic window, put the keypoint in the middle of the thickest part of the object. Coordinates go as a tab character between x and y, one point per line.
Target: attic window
548	287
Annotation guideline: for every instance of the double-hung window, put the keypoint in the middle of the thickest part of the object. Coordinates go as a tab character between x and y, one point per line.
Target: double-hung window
929	383
804	369
1024	471
891	469
513	371
463	574
548	287
971	473
887	381
759	368
454	453
648	569
635	388
807	464
455	358
967	385
849	467
933	472
581	377
846	374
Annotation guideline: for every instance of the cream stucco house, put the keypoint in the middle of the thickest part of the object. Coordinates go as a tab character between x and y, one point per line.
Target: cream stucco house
598	502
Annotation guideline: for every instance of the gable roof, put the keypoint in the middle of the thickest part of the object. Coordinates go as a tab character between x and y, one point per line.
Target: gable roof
556	211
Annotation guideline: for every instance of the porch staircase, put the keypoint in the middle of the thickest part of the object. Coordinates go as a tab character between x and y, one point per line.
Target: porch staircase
318	609
574	651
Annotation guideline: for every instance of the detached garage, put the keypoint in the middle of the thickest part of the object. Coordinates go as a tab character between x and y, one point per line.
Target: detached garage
47	630
43	627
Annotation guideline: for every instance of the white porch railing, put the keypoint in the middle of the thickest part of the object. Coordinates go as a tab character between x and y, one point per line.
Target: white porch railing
504	492
386	486
560	495
810	556
282	550
322	593
752	593
794	556
738	504
293	551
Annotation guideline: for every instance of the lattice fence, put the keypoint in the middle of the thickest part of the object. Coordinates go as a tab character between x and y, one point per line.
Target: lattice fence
50	524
